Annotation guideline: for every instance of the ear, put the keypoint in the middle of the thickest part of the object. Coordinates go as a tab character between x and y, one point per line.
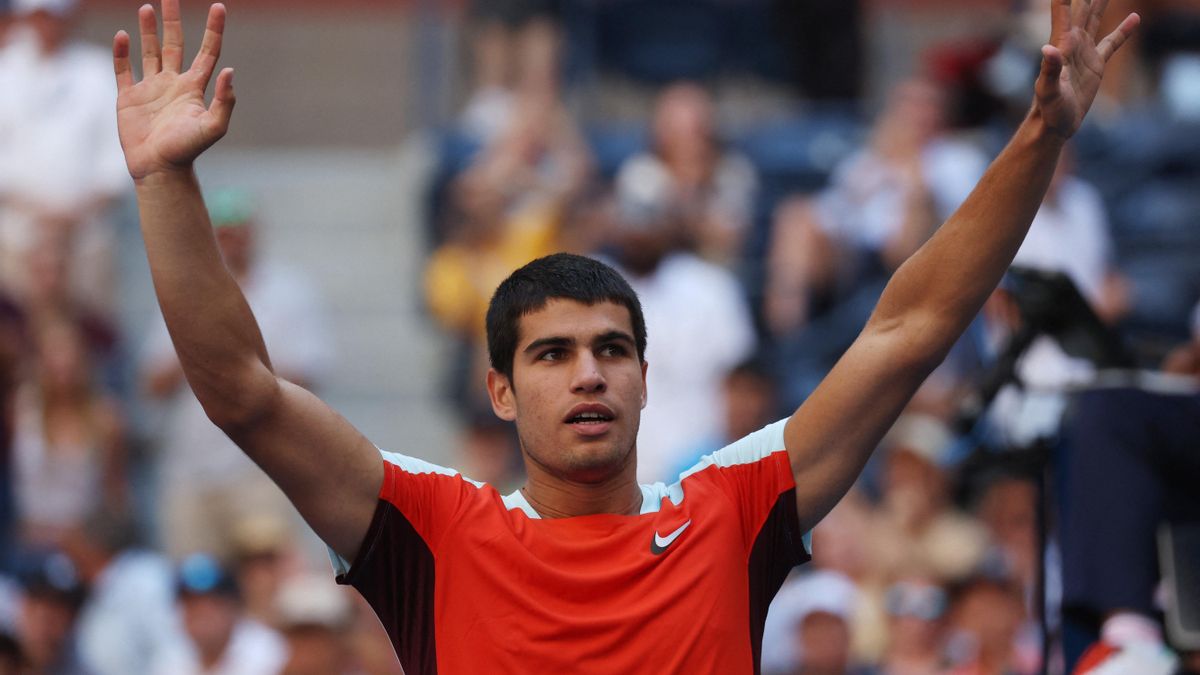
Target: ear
500	391
645	394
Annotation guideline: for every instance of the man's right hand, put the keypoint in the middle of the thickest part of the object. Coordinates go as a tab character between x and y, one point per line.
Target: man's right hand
162	120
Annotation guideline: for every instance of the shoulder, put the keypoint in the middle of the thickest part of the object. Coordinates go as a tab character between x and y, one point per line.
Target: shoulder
753	449
416	466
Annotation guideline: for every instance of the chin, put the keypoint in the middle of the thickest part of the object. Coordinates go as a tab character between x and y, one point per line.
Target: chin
595	464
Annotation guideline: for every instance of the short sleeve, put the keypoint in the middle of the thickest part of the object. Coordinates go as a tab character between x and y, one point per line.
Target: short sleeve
756	474
417	502
395	567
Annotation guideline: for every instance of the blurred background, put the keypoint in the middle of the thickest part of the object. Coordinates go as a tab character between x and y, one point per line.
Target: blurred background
756	168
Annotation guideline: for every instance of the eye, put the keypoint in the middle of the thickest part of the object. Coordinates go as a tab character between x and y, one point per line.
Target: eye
555	354
613	349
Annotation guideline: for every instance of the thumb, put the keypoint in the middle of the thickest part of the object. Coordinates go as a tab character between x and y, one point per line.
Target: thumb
1052	66
1052	63
223	99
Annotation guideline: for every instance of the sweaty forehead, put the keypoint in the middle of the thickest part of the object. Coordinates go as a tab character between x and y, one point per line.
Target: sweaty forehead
561	317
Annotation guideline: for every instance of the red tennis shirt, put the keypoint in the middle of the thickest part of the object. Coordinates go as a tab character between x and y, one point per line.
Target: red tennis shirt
468	581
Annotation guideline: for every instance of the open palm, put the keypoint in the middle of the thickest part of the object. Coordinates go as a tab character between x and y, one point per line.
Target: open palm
163	121
1073	63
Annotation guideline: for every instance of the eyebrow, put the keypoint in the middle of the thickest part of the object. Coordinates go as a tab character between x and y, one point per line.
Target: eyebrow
560	341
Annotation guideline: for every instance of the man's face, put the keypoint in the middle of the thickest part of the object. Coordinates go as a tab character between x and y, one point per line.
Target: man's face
577	391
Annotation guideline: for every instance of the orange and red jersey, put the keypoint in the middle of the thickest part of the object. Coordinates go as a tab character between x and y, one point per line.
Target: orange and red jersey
468	581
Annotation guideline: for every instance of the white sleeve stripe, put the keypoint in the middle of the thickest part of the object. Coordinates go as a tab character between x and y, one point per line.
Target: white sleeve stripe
416	466
754	447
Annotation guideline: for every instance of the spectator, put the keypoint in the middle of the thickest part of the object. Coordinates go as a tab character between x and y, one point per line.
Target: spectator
219	638
1007	507
916	608
831	255
315	616
807	630
47	294
985	619
129	616
683	298
688	176
69	445
49	605
915	530
64	167
207	484
515	53
264	556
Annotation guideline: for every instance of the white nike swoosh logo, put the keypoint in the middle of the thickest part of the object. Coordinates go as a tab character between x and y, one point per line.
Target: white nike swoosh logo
661	543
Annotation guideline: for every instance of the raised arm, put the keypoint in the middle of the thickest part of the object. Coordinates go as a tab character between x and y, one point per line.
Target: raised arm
327	468
936	293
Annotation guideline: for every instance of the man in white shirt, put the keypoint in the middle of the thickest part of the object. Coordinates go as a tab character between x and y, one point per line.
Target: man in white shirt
60	159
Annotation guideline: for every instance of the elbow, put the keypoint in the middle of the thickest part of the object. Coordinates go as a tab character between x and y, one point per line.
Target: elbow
923	340
240	402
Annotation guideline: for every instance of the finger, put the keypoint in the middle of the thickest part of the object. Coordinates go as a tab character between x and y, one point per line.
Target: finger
1096	16
151	54
1080	11
1060	19
210	49
1052	65
172	51
121	61
223	99
1109	45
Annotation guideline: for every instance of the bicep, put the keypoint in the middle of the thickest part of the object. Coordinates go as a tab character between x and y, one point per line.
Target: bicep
832	435
325	466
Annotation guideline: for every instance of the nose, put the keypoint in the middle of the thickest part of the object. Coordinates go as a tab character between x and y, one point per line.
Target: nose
587	378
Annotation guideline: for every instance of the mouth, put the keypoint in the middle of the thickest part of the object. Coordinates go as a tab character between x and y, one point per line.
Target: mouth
590	419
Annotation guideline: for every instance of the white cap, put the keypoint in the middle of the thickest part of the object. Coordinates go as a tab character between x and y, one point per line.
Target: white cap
312	600
823	591
55	7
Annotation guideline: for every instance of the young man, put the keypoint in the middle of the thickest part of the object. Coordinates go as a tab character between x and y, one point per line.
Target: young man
582	569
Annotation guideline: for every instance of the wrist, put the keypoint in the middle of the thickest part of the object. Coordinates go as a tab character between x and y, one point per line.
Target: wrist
165	177
1035	129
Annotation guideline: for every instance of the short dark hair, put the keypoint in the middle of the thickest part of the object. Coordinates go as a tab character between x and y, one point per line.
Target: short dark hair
560	275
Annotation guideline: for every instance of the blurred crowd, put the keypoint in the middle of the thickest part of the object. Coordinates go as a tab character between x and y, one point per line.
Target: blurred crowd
758	251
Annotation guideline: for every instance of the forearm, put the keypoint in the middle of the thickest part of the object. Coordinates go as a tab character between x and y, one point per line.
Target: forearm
211	325
942	286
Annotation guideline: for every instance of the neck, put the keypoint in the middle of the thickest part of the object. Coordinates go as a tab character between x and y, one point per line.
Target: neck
553	497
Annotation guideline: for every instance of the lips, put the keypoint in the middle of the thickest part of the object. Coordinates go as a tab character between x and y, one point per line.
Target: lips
590	419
